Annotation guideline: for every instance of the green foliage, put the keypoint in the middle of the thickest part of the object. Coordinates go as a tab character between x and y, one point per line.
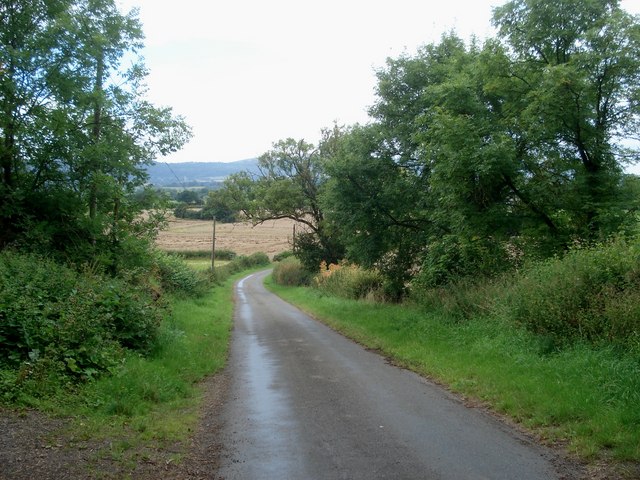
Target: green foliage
278	257
463	298
220	206
76	131
177	277
482	156
290	272
376	204
184	210
589	294
59	327
57	323
152	399
239	264
225	254
258	259
190	197
221	254
313	248
349	281
290	183
454	258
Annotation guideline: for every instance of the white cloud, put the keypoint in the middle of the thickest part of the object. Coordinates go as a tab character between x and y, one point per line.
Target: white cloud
247	73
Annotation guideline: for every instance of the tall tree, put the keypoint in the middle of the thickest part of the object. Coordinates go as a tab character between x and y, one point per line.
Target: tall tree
76	126
575	66
516	146
290	182
32	52
378	204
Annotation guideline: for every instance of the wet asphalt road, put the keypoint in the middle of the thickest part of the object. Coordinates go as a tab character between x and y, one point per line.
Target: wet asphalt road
306	403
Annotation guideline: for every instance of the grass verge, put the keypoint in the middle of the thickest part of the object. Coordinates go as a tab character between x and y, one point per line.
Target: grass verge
152	404
584	397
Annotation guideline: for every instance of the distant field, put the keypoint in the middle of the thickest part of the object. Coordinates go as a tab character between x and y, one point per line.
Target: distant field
271	237
204	264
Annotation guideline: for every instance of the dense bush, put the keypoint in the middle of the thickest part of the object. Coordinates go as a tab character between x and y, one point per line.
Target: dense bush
238	264
58	321
175	275
462	299
222	254
290	272
222	213
258	259
187	211
590	293
349	281
452	259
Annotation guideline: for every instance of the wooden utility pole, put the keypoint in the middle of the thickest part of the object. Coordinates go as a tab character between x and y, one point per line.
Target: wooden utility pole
213	245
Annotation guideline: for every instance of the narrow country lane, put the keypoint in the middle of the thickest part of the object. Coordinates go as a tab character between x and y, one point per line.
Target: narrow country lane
306	403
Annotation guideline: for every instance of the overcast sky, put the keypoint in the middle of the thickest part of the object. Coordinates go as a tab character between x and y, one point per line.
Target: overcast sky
246	73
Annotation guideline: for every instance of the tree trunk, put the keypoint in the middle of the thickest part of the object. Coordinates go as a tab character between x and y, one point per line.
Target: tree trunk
96	134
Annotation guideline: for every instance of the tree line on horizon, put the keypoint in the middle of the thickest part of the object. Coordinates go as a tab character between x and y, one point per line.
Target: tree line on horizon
479	156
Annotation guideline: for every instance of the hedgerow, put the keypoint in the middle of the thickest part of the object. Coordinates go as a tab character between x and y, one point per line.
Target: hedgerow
349	281
590	294
290	272
57	322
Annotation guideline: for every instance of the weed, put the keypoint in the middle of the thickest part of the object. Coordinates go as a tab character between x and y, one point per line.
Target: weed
290	271
349	281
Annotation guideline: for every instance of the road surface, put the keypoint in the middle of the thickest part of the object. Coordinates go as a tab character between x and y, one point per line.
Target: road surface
306	403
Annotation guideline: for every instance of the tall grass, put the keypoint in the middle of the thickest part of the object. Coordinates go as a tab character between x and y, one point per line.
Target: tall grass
289	271
349	281
589	295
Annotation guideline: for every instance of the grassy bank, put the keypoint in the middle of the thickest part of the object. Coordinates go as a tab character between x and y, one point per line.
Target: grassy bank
585	396
151	404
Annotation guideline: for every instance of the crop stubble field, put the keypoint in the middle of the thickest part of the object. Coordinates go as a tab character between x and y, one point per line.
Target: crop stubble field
271	237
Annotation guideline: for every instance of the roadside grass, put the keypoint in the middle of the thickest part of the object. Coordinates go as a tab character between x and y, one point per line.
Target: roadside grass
584	397
151	403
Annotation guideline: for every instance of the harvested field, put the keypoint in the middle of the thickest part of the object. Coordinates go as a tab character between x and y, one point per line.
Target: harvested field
271	237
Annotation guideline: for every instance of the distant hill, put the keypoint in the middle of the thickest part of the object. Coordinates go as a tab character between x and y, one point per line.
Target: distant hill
185	174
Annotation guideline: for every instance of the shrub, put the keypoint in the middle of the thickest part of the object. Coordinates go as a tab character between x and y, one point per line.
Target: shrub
278	257
258	259
462	299
223	254
58	321
453	257
349	281
290	272
238	264
177	277
591	294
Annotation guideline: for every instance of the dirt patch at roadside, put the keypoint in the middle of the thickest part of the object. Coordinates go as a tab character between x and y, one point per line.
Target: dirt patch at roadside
33	445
